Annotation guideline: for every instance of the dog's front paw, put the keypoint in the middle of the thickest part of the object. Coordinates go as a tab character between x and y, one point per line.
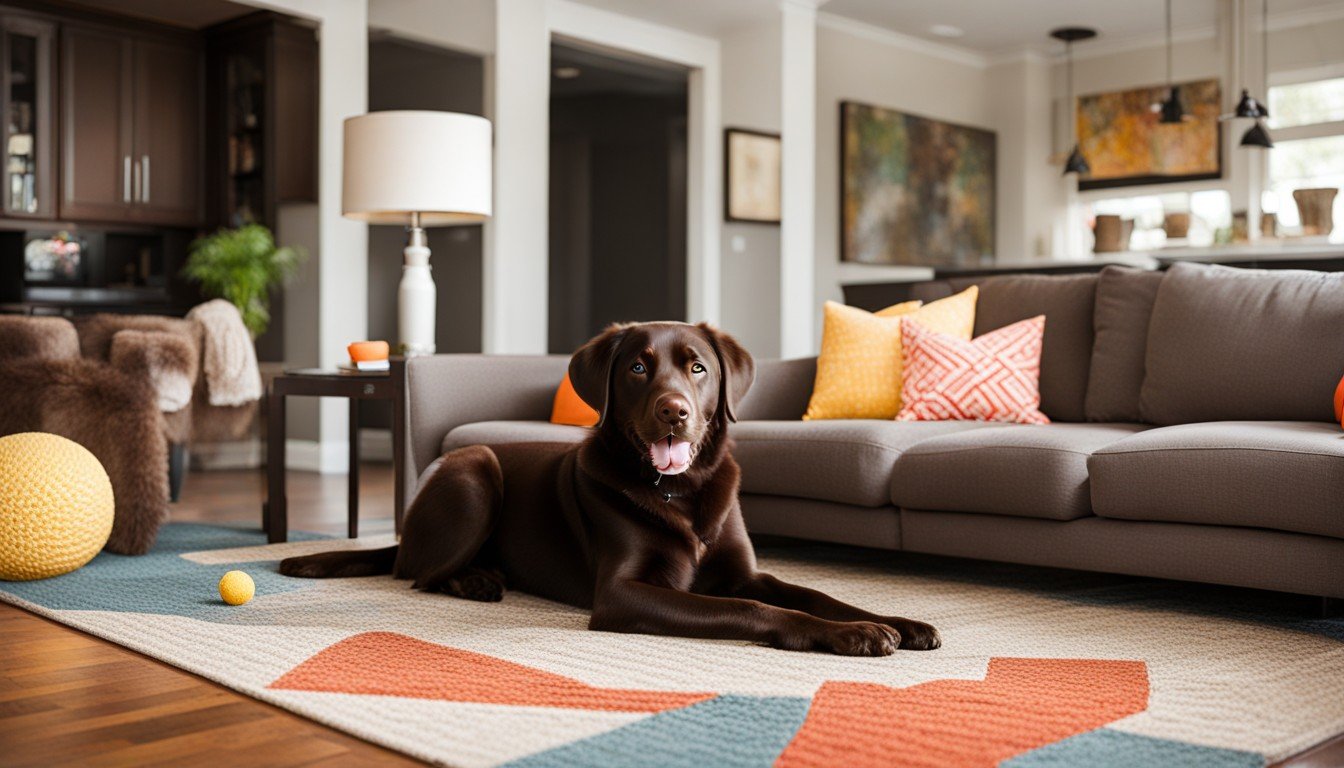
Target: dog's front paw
915	635
862	638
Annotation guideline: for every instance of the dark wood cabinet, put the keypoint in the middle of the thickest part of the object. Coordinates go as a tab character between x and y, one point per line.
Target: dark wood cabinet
262	75
28	130
167	134
96	140
131	143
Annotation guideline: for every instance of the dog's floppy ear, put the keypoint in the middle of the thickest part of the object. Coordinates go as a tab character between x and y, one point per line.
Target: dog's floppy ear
738	369
590	369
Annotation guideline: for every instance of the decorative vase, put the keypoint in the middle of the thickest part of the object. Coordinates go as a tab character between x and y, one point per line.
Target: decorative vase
1316	207
1176	225
1111	233
1241	227
1269	225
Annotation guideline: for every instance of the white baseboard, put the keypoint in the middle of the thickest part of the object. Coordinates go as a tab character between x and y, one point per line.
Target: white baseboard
329	457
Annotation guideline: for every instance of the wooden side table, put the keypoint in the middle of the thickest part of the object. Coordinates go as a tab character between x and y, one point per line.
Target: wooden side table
317	382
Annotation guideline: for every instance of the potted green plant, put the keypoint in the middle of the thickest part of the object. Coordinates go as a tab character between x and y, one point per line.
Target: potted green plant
242	266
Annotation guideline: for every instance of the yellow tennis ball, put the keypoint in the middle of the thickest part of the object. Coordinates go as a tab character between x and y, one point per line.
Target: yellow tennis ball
236	588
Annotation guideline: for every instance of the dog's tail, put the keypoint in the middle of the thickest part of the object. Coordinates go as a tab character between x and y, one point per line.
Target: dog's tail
341	564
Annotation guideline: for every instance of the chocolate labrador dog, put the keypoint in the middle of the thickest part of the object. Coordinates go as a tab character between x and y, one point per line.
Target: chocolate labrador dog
639	523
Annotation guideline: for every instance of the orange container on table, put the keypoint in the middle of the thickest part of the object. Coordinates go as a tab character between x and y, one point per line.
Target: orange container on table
368	351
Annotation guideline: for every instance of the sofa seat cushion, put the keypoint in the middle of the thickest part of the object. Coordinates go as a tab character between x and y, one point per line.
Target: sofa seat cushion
500	432
847	461
1282	475
1027	471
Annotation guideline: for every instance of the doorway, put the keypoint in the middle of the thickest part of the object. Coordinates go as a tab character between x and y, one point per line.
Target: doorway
618	175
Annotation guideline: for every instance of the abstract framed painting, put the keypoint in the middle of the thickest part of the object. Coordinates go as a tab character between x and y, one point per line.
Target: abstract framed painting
914	190
1125	145
751	176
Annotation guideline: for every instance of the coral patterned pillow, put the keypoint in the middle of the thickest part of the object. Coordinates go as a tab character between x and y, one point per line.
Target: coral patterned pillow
994	377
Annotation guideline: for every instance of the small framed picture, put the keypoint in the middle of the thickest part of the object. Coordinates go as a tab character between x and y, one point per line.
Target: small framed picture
751	176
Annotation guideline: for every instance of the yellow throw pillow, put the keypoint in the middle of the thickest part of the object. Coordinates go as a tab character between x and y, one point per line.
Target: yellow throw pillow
859	368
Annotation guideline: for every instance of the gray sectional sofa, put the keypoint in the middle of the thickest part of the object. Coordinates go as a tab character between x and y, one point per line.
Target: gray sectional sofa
1192	435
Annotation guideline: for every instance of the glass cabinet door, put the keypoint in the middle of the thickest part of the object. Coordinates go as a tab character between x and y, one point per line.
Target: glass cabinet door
28	132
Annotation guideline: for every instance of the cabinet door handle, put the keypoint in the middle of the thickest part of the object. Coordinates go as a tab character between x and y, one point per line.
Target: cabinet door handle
135	173
126	179
144	160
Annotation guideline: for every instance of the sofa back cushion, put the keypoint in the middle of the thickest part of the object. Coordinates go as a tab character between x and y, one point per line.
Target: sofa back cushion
1120	322
1229	344
1067	303
781	390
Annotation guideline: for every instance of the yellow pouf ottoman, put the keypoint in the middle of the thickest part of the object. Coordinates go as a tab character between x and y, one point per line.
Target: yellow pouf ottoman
55	506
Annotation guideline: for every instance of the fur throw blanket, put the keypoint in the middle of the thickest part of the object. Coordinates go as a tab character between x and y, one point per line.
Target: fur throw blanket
229	361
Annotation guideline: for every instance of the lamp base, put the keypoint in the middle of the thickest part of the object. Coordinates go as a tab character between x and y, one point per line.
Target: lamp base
416	298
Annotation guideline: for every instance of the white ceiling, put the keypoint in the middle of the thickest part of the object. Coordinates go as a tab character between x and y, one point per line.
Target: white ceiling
990	26
994	26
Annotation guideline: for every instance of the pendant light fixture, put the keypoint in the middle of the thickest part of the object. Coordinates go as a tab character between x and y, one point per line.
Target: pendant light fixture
1247	106
1172	111
1257	135
1076	162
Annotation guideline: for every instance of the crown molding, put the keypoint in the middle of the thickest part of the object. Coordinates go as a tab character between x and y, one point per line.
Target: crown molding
1047	52
1025	54
952	53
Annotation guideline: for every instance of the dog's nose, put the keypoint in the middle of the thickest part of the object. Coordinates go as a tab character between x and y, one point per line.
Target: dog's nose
673	409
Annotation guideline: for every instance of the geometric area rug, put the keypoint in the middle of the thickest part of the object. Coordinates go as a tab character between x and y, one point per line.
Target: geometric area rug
1038	668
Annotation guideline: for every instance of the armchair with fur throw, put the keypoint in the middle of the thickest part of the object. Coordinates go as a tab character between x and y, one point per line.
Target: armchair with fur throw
114	413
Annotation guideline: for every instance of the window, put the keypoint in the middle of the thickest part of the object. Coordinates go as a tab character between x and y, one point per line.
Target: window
1210	211
1321	101
1308	123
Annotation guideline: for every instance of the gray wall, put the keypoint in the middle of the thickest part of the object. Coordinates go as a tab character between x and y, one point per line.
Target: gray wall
405	75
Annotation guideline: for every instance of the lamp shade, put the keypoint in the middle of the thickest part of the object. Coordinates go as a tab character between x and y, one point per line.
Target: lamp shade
436	164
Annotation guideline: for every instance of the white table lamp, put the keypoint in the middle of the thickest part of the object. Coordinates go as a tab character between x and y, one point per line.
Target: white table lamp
417	169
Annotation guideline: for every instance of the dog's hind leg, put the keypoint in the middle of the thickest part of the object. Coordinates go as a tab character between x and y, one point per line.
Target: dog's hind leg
450	521
340	564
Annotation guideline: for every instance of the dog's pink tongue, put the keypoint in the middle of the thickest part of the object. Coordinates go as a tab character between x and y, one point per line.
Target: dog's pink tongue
670	453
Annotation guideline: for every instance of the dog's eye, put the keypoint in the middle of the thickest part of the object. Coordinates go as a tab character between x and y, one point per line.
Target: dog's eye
697	368
638	369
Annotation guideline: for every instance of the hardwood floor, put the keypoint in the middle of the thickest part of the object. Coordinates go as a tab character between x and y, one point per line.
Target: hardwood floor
68	698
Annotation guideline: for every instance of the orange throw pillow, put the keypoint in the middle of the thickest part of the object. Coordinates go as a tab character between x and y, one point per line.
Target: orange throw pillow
1339	403
569	408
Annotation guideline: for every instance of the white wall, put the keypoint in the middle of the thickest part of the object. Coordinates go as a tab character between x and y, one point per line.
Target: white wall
797	318
750	276
1029	189
859	63
515	274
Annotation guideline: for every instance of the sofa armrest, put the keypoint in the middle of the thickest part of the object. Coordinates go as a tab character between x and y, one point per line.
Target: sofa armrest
167	360
447	391
781	390
37	338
